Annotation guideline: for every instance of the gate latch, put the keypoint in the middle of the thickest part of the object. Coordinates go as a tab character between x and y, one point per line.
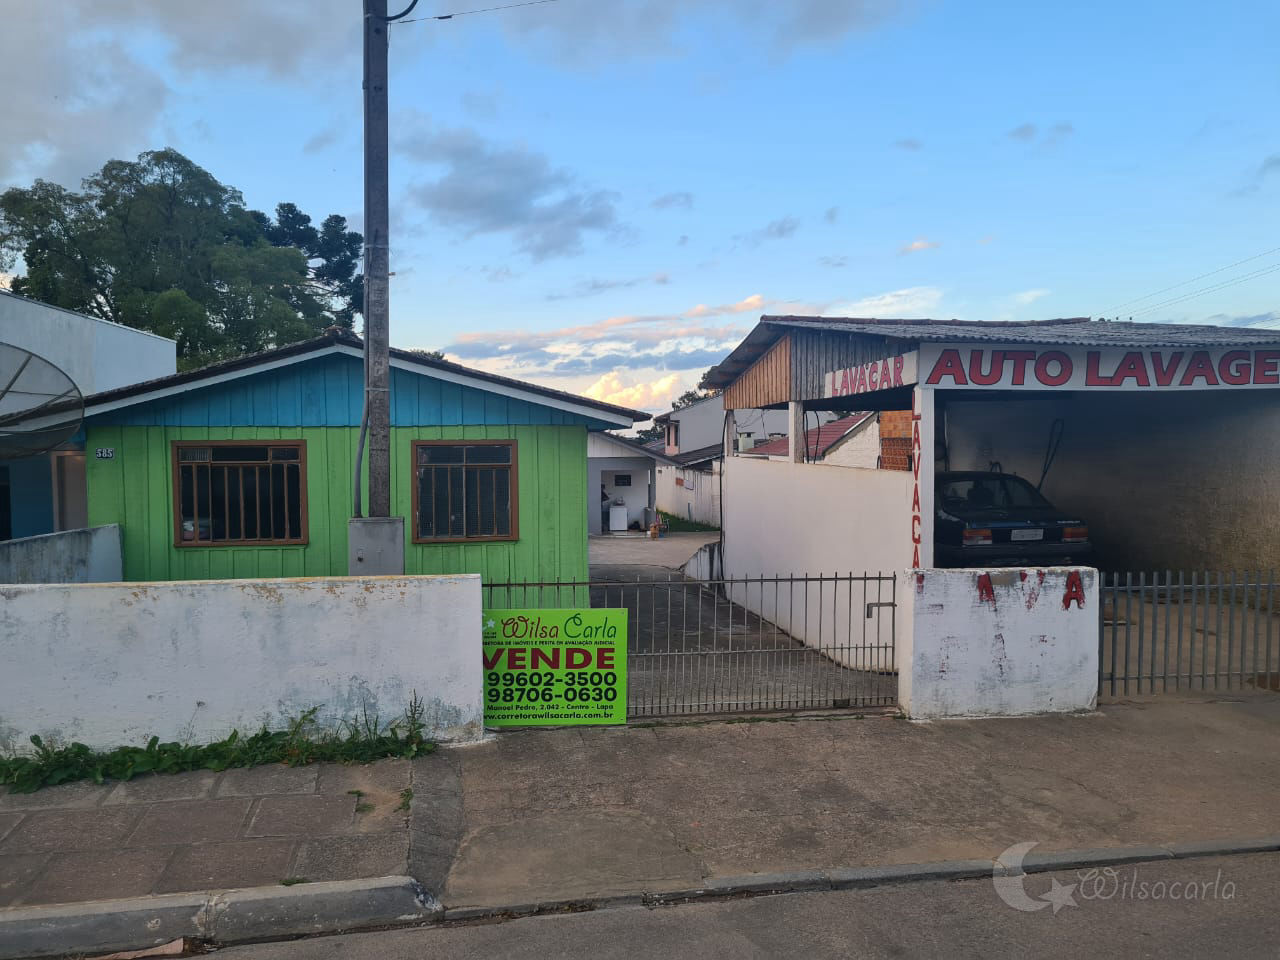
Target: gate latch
879	603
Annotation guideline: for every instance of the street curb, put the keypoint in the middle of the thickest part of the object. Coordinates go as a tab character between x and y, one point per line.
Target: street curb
865	878
253	913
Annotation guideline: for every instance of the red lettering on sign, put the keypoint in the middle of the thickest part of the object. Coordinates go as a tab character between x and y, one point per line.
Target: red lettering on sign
1233	368
1091	376
986	591
1165	374
861	386
886	374
994	371
1199	366
915	558
1074	591
915	529
873	375
577	658
604	658
1264	366
915	499
1132	365
492	661
1018	360
1053	379
949	365
897	371
515	658
547	658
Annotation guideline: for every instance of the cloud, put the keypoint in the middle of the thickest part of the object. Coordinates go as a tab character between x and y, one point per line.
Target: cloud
590	34
773	230
481	105
751	304
321	141
654	395
593	286
908	143
681	200
832	215
921	243
834	262
490	188
1029	296
1269	321
684	239
1270	165
894	304
1030	133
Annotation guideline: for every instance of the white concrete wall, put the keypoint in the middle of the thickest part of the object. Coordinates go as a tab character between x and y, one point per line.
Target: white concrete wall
113	664
696	497
797	519
90	555
1173	480
860	450
636	496
97	355
987	643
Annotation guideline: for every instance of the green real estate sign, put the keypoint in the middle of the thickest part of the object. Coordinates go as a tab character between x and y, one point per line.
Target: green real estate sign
555	667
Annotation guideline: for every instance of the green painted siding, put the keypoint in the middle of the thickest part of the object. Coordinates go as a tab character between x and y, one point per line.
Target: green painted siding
135	490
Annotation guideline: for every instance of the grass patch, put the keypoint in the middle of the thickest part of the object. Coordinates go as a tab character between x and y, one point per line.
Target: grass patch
681	525
364	808
300	743
406	798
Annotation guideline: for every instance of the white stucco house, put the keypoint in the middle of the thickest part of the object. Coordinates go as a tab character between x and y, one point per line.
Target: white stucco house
622	483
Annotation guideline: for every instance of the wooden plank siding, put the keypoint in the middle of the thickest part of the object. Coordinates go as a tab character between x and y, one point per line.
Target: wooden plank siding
135	490
766	382
815	353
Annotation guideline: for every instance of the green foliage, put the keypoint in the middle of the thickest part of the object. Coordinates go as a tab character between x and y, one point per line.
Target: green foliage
300	743
681	525
406	799
159	244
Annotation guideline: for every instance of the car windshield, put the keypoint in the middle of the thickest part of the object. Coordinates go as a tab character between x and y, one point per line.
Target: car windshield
994	492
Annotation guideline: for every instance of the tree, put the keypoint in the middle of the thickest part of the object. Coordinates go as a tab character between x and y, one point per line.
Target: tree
159	244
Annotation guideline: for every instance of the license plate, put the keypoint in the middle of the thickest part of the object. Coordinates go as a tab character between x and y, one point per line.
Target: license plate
1026	534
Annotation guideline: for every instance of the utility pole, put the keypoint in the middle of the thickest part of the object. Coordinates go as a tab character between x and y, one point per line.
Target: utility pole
377	258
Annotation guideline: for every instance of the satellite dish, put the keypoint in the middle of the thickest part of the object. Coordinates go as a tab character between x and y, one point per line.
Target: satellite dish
40	406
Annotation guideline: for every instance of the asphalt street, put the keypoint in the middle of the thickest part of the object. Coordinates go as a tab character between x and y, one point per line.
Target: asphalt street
1220	907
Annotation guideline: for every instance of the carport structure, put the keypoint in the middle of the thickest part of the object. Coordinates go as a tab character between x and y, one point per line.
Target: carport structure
1160	436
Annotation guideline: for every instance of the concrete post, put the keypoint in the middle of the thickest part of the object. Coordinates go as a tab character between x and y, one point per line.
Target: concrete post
795	431
730	433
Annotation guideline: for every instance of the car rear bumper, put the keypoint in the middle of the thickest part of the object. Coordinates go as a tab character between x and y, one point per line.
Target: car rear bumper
1015	555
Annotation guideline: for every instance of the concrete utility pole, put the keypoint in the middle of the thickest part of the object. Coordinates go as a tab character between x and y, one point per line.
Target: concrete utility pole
376	258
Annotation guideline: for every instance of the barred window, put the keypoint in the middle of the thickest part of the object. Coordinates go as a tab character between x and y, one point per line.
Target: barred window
233	493
464	491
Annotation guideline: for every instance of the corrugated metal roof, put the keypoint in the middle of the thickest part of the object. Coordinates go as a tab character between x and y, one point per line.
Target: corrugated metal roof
1067	331
817	440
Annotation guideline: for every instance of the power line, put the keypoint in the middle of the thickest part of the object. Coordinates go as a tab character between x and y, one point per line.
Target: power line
1211	273
467	13
1212	288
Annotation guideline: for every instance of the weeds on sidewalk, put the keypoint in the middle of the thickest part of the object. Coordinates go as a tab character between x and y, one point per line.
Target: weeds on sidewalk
300	743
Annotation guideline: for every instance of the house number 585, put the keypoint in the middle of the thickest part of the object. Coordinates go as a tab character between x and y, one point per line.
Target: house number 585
105	453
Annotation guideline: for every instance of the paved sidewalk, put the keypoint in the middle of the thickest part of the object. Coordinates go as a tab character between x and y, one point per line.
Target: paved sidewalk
671	550
203	831
559	814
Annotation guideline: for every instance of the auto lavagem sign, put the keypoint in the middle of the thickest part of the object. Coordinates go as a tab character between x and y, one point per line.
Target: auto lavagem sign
555	667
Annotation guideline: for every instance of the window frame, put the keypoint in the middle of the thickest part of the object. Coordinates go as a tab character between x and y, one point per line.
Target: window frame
514	487
175	506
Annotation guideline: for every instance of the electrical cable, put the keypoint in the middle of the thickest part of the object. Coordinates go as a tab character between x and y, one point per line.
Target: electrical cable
1211	273
1056	430
403	13
1212	288
467	13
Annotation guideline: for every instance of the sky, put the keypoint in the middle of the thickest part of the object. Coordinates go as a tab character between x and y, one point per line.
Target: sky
605	195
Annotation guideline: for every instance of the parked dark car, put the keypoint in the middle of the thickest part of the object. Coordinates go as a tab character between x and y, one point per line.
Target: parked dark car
1001	520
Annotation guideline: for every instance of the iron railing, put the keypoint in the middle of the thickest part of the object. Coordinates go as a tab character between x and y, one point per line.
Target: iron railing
1167	632
738	645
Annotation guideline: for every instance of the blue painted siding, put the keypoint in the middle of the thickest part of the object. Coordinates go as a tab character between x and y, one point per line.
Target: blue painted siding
30	496
326	392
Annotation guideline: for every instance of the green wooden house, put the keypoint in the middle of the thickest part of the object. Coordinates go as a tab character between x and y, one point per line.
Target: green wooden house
246	468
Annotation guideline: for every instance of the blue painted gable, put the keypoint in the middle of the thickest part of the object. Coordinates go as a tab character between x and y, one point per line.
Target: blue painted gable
326	392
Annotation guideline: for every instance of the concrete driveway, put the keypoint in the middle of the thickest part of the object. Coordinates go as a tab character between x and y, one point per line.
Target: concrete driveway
672	550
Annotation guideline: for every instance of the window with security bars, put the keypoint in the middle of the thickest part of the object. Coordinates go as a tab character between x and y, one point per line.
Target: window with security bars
229	494
464	491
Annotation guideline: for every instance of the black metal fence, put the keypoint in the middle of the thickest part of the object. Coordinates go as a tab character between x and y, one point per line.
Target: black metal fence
742	645
1167	632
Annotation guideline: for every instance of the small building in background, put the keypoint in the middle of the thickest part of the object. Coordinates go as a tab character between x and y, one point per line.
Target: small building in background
625	474
46	493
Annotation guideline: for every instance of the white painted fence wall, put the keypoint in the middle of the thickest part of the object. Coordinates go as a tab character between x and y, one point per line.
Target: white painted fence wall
90	555
798	519
113	664
696	497
999	642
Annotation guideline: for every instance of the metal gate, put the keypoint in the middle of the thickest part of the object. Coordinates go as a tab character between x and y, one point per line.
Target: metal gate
1166	632
742	645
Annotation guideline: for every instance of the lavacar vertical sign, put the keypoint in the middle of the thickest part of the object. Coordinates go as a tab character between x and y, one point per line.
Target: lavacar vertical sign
555	667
